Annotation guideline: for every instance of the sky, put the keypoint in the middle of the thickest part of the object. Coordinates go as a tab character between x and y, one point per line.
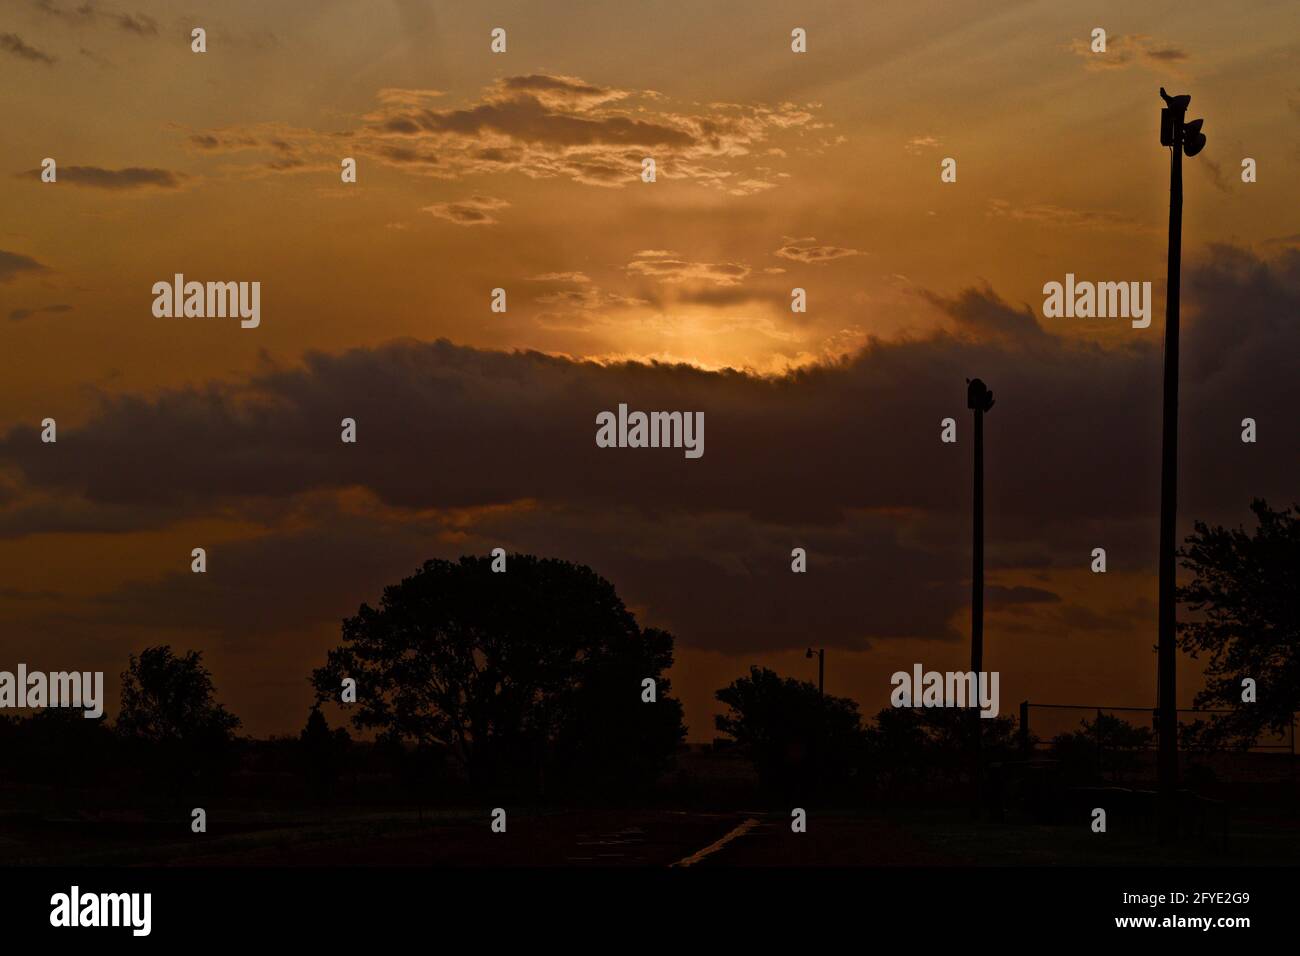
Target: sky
522	171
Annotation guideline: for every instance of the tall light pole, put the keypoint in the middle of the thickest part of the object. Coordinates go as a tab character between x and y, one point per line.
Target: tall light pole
821	669
1180	136
979	399
821	717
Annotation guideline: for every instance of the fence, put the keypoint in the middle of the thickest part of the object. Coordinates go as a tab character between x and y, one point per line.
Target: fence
1270	759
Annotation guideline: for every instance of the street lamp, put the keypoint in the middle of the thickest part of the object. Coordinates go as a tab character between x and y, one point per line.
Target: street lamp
821	669
1181	137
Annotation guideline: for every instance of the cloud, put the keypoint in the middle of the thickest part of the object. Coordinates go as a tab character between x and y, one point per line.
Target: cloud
220	140
562	93
588	298
1127	50
573	277
571	293
1168	54
997	596
882	405
13	43
15	263
918	144
807	251
666	266
139	23
1058	216
474	211
980	313
87	13
1215	173
130	177
19	314
467	449
554	126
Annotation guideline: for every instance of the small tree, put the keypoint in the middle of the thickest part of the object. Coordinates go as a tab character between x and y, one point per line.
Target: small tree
1104	744
170	714
323	752
1245	595
914	750
790	732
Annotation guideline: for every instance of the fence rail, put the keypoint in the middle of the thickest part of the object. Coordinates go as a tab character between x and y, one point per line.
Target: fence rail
1028	742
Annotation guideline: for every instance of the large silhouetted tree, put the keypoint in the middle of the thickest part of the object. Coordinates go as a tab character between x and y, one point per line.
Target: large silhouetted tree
1245	598
531	677
784	724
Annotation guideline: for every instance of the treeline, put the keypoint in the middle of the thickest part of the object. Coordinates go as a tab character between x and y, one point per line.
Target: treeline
529	677
173	743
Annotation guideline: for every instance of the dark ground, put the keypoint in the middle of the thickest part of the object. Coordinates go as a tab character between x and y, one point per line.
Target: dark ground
602	837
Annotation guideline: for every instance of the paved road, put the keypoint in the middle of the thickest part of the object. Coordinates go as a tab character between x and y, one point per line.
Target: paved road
830	840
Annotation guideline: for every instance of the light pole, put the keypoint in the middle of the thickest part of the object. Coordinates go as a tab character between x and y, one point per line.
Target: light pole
821	717
979	399
821	669
1180	136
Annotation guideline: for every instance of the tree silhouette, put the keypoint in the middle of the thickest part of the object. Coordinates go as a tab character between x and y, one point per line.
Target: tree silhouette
1246	598
170	715
1105	744
913	748
323	752
527	678
785	724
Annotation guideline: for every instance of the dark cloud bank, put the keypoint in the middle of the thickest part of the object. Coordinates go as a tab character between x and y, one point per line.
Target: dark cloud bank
463	450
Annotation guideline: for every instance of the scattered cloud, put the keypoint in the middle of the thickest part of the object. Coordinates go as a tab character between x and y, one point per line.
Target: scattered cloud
88	13
555	126
1128	50
666	266
808	251
131	177
574	277
1050	215
14	264
138	23
13	43
19	314
1214	172
474	211
980	313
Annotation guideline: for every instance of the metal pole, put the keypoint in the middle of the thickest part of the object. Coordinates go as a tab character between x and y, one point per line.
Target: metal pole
1166	655
977	570
977	606
1024	729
